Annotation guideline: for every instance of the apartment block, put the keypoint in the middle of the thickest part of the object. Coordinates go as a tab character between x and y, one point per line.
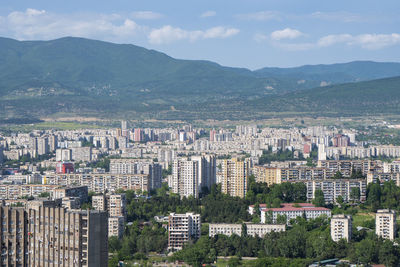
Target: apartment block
385	224
182	228
333	188
267	175
116	226
261	230
292	211
133	166
99	202
53	236
251	229
207	170
72	191
185	178
100	182
227	229
116	205
234	177
341	227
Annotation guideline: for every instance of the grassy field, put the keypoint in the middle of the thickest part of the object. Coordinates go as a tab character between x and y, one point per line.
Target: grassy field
359	218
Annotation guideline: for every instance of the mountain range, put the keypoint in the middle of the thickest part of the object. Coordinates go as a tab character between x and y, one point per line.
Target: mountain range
86	77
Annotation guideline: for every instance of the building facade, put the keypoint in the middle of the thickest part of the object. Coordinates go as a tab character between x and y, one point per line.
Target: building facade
385	224
182	228
341	227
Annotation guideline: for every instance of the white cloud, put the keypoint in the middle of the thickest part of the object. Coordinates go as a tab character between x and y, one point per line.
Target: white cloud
261	16
377	41
209	13
341	16
146	15
334	39
39	24
364	41
168	34
286	34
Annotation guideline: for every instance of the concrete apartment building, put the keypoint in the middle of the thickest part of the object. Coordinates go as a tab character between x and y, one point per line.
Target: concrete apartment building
267	175
116	226
44	236
333	188
234	177
341	227
134	166
72	191
227	229
182	228
189	176
115	206
251	229
385	224
292	211
185	178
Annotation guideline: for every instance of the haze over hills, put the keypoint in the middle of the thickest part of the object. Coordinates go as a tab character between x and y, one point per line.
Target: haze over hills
89	77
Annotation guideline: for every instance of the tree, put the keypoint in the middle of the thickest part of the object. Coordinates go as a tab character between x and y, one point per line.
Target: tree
319	199
374	196
388	254
281	219
338	175
340	200
114	243
355	194
234	262
365	251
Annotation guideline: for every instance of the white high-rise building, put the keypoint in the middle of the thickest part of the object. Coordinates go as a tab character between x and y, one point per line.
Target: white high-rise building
341	227
185	178
385	224
63	154
207	170
321	152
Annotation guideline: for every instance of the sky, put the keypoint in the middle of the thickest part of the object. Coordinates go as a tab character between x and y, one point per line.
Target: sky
238	33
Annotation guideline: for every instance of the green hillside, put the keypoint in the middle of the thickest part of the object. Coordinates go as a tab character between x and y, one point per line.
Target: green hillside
380	96
85	77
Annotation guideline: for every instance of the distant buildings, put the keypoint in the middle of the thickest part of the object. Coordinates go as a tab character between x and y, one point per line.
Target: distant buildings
385	224
182	228
341	227
64	167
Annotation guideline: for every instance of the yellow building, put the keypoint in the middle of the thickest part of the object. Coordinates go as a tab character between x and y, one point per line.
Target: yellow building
267	175
234	177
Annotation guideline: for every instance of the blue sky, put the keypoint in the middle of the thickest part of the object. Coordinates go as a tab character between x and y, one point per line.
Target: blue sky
240	33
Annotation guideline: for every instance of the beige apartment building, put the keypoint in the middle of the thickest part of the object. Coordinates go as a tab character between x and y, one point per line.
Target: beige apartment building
234	177
385	224
341	227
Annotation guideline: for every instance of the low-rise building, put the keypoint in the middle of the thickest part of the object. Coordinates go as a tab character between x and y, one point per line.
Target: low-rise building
292	211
